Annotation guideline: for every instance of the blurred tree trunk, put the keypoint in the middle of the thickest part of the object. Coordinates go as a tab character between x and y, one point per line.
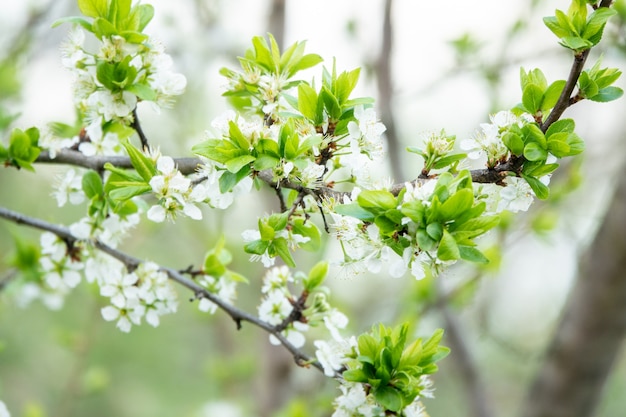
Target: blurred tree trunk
592	327
276	23
385	94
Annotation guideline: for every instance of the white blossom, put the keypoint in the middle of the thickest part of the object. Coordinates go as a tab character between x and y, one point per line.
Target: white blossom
4	411
99	144
332	354
274	308
70	189
516	196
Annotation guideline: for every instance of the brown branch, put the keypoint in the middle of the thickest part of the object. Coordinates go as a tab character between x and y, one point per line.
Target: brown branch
70	157
131	263
142	136
564	99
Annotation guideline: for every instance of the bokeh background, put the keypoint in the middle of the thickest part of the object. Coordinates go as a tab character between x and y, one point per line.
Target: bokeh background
448	67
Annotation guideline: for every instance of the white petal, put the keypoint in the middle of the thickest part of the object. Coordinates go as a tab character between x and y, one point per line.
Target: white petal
110	313
156	213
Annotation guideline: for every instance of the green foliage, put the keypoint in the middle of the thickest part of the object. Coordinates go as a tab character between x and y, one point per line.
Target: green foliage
216	261
23	149
391	367
113	18
26	260
596	84
538	98
575	29
316	276
266	60
438	153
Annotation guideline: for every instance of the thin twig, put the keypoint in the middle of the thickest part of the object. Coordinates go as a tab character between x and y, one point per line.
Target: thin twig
131	263
142	136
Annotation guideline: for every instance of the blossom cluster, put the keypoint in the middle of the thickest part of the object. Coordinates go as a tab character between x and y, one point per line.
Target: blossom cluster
354	401
145	292
279	304
100	99
487	142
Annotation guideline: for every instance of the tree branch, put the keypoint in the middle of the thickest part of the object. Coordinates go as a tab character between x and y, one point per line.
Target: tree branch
131	263
70	157
564	99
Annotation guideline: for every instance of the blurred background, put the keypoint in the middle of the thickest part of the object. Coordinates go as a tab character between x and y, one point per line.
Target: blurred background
429	68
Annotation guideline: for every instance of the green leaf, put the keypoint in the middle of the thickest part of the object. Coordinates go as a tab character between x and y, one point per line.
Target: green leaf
576	144
346	82
540	189
236	136
102	28
75	20
607	94
557	145
414	210
310	230
355	210
588	87
228	180
264	161
307	101
331	103
532	97
448	160
125	192
93	8
563	125
472	254
389	398
143	164
534	152
513	142
236	164
595	24
282	249
576	43
368	345
146	13
377	199
213	266
316	276
448	249
435	231
552	23
355	375
551	95
92	184
143	91
307	61
263	57
456	204
257	247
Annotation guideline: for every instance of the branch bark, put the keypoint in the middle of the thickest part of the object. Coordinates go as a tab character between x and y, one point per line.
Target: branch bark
131	262
592	327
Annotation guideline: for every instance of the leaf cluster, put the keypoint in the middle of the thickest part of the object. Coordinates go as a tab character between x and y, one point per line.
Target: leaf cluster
391	368
113	17
447	222
266	60
576	29
242	155
331	105
23	149
274	243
